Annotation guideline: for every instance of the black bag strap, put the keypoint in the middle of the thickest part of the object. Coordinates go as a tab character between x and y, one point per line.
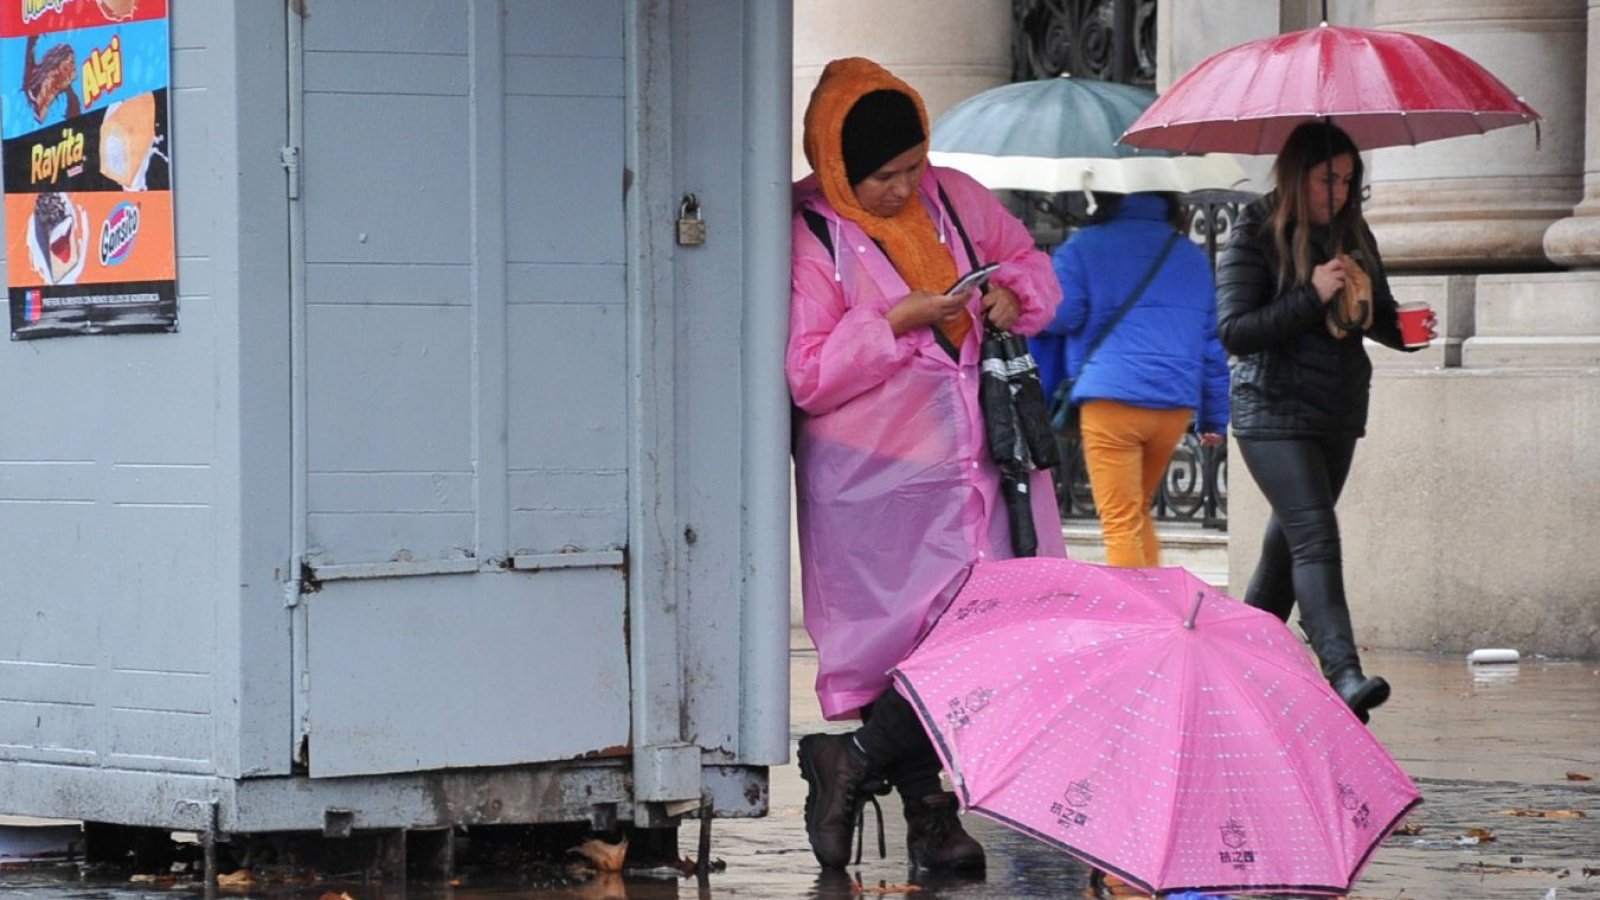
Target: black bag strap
972	258
1166	250
972	255
819	227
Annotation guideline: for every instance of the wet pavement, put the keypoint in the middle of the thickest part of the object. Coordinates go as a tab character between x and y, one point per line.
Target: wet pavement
1483	743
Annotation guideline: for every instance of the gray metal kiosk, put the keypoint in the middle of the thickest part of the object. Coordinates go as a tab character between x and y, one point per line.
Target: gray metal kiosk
460	495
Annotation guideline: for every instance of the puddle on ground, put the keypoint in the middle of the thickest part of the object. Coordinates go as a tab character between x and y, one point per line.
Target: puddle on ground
1482	743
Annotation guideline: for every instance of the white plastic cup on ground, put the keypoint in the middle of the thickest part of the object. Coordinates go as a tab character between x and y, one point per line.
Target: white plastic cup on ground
1489	655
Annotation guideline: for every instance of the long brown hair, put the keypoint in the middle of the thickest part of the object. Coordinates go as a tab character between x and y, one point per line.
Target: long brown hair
1307	147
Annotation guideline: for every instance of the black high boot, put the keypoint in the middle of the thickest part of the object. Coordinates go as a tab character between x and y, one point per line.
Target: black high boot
935	840
1319	588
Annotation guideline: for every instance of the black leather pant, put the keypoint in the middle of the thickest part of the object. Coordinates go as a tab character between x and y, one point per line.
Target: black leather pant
896	745
1301	560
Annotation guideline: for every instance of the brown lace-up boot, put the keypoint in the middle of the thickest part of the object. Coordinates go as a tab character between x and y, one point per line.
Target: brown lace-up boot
935	840
838	782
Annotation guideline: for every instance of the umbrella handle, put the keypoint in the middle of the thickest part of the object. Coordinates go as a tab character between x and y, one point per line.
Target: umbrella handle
1199	596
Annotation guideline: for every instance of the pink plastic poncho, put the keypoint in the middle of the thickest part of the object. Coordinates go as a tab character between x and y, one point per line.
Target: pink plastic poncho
895	491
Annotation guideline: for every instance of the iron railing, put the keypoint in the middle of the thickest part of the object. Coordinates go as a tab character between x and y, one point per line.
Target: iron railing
1112	40
1195	488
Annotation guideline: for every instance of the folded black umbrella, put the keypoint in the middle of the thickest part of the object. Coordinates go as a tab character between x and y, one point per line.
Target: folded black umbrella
1017	424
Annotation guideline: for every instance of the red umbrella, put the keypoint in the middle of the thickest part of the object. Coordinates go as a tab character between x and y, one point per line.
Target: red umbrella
1384	88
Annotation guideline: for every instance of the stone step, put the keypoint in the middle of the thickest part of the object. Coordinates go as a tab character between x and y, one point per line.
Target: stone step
1203	551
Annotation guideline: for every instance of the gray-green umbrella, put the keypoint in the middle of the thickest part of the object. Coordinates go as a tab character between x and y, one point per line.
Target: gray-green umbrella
1060	134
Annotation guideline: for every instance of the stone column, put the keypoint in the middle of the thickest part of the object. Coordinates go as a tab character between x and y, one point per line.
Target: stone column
1575	241
947	49
1485	201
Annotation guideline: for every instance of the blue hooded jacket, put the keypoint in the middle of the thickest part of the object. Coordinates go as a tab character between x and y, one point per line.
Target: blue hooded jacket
1164	354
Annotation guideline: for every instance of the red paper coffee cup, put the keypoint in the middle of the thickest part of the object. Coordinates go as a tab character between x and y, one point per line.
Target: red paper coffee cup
1416	320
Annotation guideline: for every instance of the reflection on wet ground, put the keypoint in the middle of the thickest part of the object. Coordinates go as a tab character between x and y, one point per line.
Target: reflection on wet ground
1494	750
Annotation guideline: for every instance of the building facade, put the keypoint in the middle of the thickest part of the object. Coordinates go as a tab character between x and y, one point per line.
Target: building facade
1467	520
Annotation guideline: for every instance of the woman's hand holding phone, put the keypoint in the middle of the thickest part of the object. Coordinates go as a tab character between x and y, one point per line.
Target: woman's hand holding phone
970	280
920	308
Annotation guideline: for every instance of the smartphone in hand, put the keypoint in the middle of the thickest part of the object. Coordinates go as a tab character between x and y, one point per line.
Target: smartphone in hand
970	280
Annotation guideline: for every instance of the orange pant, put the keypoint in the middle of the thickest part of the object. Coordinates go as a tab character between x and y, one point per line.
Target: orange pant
1126	449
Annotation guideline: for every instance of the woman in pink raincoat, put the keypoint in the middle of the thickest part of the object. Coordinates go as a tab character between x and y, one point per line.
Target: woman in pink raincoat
895	489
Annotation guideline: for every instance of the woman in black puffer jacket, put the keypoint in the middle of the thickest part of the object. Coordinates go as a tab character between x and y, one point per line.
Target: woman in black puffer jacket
1295	296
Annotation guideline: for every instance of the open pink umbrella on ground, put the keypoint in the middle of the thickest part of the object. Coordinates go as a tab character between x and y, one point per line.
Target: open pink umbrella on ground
1152	727
1384	88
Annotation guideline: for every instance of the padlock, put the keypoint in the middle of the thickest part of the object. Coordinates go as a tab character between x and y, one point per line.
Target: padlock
691	228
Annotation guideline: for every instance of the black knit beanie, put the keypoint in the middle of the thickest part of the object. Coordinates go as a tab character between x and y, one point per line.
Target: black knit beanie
882	125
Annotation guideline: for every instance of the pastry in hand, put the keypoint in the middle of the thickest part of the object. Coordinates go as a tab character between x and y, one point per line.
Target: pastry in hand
127	133
1350	310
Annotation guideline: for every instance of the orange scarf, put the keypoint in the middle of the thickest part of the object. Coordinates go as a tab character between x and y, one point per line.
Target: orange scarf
909	237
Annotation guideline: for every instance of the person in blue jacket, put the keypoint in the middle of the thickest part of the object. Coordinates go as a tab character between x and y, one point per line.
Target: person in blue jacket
1159	369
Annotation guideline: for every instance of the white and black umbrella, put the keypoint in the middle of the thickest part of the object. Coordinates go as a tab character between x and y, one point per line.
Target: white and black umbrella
1016	422
1060	134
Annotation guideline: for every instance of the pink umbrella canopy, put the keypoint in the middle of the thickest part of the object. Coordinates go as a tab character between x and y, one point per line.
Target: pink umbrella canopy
1072	702
1384	88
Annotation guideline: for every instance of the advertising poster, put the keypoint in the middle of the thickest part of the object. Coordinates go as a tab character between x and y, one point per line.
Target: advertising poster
87	167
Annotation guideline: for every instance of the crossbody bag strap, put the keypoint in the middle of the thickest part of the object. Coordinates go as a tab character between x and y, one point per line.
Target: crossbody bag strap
1149	276
972	255
972	259
819	227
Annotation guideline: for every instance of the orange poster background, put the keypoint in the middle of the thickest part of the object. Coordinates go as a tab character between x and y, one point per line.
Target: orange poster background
152	258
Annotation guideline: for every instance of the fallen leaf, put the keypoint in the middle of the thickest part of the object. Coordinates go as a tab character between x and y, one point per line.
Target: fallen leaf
1483	835
239	878
1539	871
1578	776
1548	813
606	857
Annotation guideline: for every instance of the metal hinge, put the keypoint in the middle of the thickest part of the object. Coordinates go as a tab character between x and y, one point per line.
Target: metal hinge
290	158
